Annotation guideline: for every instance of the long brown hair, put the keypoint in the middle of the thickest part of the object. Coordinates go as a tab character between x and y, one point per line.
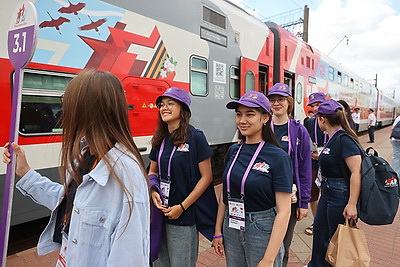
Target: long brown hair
339	119
178	136
94	106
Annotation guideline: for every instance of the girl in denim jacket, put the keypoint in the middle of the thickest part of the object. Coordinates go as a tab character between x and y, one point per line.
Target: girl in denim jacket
100	215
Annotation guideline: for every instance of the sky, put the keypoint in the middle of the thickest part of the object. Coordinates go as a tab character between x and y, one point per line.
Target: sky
362	35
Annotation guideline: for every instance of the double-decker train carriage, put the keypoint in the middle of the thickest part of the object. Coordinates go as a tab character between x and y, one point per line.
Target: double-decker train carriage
211	48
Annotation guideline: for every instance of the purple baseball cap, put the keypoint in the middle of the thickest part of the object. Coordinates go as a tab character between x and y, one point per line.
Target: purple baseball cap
251	99
329	107
316	97
177	94
280	89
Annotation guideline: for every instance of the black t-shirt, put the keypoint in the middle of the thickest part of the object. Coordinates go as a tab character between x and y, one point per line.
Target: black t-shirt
181	163
329	160
271	172
281	133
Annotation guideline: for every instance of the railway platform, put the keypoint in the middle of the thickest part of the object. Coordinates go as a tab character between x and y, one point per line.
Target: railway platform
383	241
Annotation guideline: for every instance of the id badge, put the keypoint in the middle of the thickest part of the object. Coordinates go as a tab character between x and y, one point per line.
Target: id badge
319	149
236	214
62	257
319	178
165	185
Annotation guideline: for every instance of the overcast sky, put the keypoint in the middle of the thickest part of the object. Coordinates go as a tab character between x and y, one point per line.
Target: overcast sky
372	28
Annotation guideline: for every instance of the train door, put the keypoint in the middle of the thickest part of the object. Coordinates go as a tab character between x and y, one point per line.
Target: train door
248	75
289	80
263	79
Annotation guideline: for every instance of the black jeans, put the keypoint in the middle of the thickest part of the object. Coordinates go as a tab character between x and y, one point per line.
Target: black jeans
371	133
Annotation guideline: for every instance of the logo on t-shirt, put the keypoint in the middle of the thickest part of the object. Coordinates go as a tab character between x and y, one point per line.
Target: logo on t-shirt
326	151
183	148
390	182
285	138
261	166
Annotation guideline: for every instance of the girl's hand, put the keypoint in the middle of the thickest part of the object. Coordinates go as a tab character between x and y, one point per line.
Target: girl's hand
350	211
265	263
173	212
218	245
21	166
301	213
155	197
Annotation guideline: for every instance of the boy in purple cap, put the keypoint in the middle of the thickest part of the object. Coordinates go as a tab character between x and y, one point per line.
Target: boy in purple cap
295	140
318	139
181	184
257	183
339	194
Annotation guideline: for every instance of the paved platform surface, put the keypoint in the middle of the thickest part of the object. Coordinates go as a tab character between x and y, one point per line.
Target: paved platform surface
383	241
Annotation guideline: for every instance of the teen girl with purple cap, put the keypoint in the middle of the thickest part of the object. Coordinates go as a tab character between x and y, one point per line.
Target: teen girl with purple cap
181	180
254	209
295	140
318	139
339	195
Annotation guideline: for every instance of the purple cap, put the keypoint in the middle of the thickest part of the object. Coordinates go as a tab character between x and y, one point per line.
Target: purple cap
316	97
177	94
329	107
280	89
251	99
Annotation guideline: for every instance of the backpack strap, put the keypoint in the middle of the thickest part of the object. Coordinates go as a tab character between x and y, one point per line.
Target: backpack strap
345	173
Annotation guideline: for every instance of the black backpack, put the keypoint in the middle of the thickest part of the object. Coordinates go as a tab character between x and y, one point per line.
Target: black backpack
379	197
396	131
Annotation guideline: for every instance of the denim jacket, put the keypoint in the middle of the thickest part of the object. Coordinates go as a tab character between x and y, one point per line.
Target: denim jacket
104	230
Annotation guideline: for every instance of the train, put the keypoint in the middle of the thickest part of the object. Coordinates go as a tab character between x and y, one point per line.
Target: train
212	48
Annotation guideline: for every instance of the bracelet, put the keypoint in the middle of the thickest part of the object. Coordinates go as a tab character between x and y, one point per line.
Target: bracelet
218	236
183	208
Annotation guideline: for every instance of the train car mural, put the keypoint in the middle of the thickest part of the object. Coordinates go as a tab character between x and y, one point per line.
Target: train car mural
211	48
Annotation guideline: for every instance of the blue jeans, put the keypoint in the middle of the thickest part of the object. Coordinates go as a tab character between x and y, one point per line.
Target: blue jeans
247	248
334	198
396	155
179	247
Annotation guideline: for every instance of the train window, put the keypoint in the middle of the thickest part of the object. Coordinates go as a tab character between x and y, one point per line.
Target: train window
40	115
351	83
331	73
249	81
299	93
339	77
198	76
40	81
346	80
41	102
214	18
234	82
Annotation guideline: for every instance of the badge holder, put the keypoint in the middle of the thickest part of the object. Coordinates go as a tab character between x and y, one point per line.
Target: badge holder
236	213
165	185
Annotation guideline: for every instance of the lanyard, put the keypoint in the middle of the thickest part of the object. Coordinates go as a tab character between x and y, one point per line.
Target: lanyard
288	130
315	133
169	161
244	178
334	132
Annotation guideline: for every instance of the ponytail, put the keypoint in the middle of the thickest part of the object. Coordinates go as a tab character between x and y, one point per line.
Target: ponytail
339	118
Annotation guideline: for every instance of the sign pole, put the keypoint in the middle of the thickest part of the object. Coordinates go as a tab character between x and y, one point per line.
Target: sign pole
22	39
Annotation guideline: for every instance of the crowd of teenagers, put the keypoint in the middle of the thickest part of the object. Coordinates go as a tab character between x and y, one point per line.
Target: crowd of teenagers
109	210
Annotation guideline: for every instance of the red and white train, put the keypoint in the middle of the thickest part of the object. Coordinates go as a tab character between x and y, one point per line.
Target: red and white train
211	48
